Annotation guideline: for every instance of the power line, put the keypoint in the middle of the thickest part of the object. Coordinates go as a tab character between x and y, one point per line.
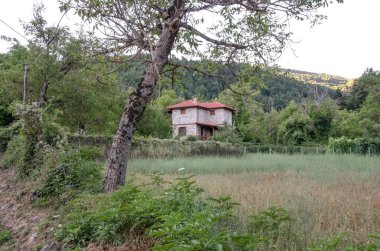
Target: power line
14	30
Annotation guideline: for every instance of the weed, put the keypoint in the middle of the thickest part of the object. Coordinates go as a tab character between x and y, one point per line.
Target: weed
5	236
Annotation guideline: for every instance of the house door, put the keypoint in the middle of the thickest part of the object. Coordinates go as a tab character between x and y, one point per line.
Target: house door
206	133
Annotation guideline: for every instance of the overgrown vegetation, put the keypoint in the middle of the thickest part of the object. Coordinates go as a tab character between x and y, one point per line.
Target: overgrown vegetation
358	145
175	216
71	91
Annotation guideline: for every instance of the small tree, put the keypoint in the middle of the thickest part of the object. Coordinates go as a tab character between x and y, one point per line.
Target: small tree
53	52
252	31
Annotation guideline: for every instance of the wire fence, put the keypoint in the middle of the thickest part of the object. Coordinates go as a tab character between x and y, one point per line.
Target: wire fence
169	148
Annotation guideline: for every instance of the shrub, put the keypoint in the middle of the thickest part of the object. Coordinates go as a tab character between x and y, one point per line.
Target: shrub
7	133
226	134
337	243
38	137
72	173
13	156
358	145
176	218
5	235
275	228
191	138
91	153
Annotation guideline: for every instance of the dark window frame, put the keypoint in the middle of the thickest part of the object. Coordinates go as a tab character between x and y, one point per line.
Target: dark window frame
183	111
212	112
184	131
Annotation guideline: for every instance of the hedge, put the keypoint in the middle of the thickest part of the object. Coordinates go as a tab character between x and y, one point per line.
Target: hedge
357	146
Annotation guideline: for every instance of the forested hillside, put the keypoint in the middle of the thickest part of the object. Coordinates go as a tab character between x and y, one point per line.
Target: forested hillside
273	107
277	88
317	78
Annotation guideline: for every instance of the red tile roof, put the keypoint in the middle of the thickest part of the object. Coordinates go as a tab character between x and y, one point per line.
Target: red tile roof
191	103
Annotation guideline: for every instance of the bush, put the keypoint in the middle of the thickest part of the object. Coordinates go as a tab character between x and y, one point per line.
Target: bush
13	156
337	243
91	153
73	173
226	134
176	218
275	228
358	145
7	133
37	138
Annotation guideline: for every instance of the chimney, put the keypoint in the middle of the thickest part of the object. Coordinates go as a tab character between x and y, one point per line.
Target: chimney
195	99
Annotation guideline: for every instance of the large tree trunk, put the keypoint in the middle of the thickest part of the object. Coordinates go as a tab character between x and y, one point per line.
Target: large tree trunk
118	155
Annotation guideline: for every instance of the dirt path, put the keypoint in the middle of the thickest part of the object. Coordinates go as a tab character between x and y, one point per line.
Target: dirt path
18	215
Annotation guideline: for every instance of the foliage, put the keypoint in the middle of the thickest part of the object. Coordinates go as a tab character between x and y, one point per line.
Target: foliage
90	153
13	156
6	117
274	228
176	217
369	82
72	173
7	133
38	137
357	145
337	243
226	134
293	126
5	235
191	138
346	123
321	119
370	115
155	121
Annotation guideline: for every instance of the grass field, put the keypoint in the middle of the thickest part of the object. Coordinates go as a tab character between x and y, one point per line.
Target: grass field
325	194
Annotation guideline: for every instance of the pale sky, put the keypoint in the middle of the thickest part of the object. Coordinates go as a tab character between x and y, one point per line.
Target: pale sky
345	44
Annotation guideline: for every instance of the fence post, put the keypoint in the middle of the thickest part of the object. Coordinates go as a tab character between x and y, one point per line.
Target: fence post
317	150
369	151
301	150
286	150
350	150
245	150
270	150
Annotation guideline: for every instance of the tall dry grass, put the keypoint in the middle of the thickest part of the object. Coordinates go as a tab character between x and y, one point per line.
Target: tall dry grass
325	194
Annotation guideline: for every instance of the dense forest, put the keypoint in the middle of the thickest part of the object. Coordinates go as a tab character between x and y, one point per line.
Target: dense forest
276	107
86	93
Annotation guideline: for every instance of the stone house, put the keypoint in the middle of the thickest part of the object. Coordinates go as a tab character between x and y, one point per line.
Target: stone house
199	119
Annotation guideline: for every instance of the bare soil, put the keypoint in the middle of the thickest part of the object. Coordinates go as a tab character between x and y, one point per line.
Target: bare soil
19	216
32	227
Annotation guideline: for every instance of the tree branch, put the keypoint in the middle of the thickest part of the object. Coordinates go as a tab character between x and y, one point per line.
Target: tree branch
211	40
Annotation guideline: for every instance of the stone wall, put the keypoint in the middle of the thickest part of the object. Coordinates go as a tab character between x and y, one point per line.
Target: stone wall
192	115
189	117
191	129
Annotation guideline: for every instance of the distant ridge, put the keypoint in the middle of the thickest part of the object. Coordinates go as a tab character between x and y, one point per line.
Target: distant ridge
323	79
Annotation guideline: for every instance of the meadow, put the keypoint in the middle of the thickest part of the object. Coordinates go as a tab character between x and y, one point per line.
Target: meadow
325	194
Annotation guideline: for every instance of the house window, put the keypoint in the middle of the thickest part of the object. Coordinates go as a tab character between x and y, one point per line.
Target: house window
212	112
183	111
181	131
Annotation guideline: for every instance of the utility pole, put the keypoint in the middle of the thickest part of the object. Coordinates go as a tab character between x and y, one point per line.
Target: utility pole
24	87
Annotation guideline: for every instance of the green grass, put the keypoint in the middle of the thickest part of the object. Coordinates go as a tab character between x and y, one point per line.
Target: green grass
316	165
5	235
326	194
